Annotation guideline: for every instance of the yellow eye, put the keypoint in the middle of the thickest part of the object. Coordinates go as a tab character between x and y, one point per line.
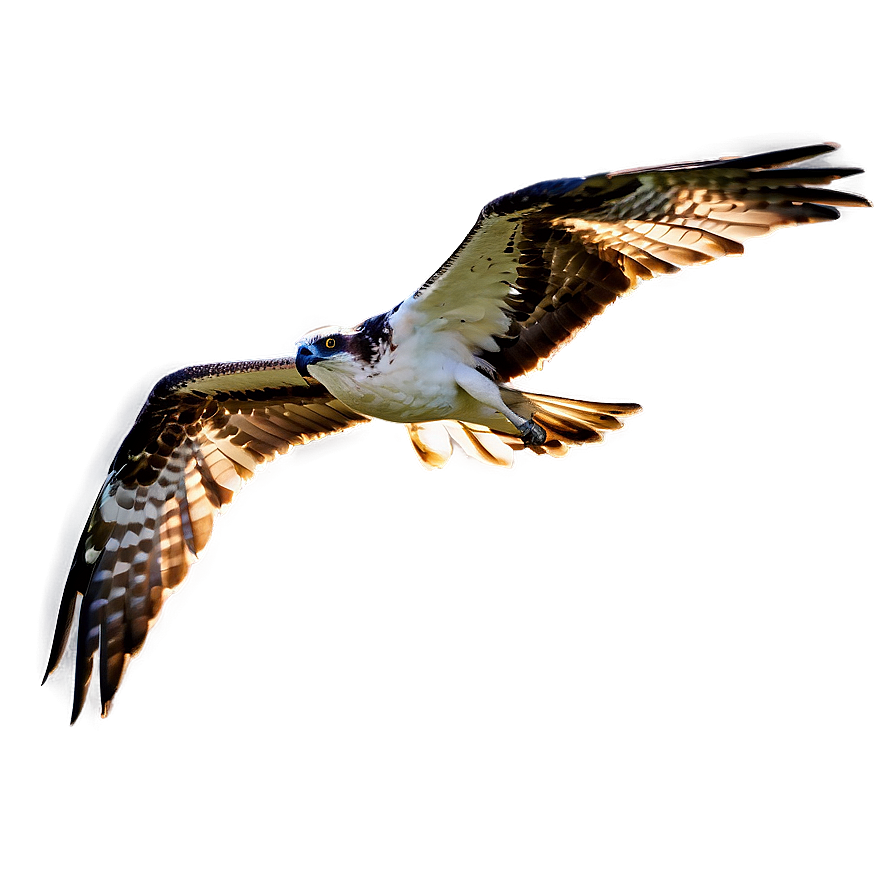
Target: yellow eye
330	343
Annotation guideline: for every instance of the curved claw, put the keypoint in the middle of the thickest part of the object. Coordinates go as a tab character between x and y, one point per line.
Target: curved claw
532	433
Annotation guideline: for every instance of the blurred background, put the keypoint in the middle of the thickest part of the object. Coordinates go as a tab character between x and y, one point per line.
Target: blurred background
661	664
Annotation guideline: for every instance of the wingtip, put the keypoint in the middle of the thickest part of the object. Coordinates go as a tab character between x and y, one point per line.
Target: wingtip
64	621
60	639
55	657
82	681
776	158
819	149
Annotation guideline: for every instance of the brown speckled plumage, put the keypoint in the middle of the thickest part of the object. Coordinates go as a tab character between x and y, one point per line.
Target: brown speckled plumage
537	266
202	431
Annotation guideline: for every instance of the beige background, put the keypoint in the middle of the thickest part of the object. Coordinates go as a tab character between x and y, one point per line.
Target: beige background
662	664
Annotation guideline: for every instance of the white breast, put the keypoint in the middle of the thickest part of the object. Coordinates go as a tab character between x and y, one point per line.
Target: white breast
411	383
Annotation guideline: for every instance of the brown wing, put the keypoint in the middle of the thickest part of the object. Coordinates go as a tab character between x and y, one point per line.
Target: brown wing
540	263
202	431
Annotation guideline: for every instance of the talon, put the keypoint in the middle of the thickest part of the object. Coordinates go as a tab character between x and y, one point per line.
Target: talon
532	433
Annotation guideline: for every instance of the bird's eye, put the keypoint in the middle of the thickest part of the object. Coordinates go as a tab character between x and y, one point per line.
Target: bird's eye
330	342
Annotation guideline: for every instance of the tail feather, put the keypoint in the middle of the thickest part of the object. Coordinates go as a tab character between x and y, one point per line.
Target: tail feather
566	421
573	421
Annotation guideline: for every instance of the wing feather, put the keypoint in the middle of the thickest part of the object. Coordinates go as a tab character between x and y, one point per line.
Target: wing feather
202	432
537	267
540	263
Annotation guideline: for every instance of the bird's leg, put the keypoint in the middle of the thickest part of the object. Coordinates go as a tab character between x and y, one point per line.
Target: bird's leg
487	392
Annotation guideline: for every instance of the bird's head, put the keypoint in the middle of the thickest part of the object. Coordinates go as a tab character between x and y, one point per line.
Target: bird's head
329	348
345	350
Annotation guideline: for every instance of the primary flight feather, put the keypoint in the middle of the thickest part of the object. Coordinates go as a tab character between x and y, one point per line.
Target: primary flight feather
537	266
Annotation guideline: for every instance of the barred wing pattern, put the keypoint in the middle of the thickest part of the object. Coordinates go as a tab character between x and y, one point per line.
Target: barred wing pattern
202	431
545	260
537	266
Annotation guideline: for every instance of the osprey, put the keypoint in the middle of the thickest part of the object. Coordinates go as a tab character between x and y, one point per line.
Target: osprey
537	266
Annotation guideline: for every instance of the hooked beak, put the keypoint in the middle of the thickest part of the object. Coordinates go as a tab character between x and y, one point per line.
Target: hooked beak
305	356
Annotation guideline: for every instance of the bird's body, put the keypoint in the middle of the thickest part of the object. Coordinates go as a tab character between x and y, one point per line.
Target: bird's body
410	384
417	378
538	265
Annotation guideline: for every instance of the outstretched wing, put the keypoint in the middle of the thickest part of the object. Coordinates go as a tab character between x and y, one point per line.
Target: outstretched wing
202	431
540	263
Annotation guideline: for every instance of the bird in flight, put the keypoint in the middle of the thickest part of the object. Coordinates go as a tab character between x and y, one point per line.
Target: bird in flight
537	266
